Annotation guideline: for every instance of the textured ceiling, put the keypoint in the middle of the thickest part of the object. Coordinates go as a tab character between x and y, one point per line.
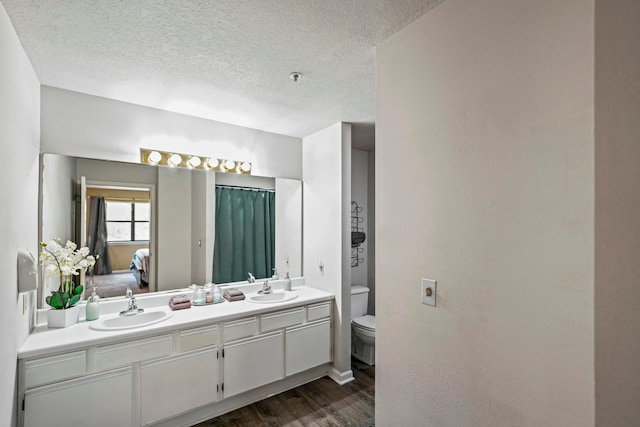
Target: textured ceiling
226	60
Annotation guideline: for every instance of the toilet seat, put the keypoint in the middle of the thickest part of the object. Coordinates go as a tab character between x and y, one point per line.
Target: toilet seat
367	322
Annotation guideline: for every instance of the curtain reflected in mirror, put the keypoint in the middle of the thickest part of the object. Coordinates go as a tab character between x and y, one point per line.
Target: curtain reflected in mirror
245	234
97	236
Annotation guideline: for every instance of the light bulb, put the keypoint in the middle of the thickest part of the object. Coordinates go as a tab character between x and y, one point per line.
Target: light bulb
246	167
213	163
154	157
194	162
229	164
175	160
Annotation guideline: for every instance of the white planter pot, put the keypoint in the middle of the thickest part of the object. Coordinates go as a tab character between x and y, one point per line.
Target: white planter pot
63	318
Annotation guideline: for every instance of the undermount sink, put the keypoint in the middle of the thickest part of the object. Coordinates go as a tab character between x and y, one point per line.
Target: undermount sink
129	322
272	297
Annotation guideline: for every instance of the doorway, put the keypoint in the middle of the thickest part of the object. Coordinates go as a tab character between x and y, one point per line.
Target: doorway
118	228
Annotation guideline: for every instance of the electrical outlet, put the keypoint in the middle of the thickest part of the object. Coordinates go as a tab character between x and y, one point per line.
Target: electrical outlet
429	292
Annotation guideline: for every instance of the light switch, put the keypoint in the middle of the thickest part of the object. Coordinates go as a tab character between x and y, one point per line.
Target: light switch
429	292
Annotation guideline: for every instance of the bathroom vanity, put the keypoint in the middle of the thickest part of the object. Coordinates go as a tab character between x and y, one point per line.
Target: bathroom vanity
195	365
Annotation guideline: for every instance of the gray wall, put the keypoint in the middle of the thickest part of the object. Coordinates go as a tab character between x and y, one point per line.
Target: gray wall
617	270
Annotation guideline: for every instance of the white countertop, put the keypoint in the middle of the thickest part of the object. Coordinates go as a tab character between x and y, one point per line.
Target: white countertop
43	340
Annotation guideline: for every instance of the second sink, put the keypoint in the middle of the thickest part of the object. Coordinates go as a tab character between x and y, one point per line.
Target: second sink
272	297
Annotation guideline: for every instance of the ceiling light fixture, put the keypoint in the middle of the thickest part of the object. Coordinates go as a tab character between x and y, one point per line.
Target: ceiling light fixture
175	160
295	76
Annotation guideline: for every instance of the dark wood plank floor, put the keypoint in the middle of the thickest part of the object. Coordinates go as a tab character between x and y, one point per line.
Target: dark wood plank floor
320	403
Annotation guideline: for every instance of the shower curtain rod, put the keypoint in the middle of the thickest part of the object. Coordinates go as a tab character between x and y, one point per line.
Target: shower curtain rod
237	187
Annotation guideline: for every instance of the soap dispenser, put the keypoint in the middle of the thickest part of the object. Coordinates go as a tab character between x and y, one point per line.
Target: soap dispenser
287	282
275	274
93	309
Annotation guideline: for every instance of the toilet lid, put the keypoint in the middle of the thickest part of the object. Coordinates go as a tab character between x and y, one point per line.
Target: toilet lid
367	322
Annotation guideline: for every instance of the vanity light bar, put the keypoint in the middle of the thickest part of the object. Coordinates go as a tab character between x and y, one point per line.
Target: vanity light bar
179	160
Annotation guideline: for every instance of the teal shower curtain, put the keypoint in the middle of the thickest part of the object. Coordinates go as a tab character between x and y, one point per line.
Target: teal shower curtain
245	234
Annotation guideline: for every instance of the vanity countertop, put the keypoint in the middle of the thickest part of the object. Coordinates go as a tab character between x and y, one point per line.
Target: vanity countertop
45	341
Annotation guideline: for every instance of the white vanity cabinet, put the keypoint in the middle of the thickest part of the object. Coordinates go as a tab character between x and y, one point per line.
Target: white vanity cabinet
281	343
180	375
308	346
253	362
178	384
100	400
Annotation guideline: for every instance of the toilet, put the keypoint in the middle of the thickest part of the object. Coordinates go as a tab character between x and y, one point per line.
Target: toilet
363	326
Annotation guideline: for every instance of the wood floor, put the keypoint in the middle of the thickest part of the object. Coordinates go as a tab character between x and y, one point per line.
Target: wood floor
320	403
113	285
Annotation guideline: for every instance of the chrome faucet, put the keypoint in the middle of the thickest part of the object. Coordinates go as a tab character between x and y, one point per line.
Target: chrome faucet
251	279
266	288
133	305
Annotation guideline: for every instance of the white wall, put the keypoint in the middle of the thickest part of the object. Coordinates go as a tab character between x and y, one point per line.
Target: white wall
617	222
359	194
288	227
371	234
116	173
326	162
199	220
488	107
58	191
173	241
57	209
20	139
83	125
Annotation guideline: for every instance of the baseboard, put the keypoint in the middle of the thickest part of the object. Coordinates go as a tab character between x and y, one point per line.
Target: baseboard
341	378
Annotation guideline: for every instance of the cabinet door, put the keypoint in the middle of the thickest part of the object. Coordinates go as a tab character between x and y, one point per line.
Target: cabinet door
100	400
253	362
308	346
172	386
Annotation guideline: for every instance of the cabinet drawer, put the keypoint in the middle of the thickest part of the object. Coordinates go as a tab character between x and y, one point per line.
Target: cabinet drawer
242	328
318	311
54	368
282	319
191	339
115	355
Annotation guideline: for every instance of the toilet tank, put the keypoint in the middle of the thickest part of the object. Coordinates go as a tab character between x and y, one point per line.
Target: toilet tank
359	301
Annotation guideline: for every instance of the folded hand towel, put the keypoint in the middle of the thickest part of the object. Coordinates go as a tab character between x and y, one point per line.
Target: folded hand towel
231	298
233	292
180	299
180	306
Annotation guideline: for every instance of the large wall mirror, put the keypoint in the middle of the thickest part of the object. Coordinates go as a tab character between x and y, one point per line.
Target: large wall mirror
156	226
